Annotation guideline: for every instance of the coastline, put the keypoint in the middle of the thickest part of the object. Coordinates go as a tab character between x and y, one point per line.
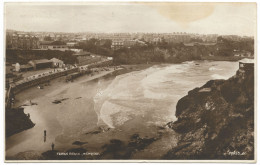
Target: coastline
217	115
221	58
138	139
33	92
127	68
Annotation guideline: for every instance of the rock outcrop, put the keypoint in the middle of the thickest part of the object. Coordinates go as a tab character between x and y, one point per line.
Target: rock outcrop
216	121
16	121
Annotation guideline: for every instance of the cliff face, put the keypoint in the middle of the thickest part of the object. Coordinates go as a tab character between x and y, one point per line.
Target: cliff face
216	121
16	121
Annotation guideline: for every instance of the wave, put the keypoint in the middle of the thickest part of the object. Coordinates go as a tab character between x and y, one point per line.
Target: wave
162	77
217	76
214	68
123	87
108	109
188	62
137	92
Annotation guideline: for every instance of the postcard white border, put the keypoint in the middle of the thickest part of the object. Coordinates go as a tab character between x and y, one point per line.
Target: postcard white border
257	100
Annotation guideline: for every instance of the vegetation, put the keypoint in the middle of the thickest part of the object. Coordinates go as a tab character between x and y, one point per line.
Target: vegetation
224	49
24	56
102	47
178	52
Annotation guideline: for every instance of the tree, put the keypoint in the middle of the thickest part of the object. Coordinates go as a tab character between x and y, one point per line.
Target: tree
47	38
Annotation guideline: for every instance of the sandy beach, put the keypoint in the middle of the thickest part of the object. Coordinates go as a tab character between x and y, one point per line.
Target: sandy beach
53	117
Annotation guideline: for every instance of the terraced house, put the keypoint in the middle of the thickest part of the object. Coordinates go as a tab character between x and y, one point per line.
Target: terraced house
22	41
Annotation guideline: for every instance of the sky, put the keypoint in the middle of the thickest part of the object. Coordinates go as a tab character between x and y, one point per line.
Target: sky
203	18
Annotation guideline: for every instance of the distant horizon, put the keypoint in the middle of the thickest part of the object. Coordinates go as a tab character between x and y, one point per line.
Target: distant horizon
127	32
133	17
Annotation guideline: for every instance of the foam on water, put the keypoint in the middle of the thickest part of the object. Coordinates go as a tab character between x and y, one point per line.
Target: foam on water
155	83
217	76
161	77
122	87
214	68
164	85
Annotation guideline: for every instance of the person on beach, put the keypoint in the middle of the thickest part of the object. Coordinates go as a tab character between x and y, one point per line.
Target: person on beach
12	101
45	133
52	146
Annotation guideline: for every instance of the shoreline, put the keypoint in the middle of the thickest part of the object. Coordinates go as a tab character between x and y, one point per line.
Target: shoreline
200	129
32	94
100	75
136	67
127	68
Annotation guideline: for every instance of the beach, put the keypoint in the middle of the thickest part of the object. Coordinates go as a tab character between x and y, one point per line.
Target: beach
44	119
136	102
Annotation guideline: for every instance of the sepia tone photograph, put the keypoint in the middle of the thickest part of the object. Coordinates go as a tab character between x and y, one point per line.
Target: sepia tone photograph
130	81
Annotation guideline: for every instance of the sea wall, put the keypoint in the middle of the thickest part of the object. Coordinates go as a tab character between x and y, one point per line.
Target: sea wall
216	121
27	84
18	87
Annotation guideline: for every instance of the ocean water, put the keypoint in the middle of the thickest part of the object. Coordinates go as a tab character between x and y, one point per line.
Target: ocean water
138	102
154	92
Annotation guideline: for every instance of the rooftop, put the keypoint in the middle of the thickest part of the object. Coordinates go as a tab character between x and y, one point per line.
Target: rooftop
55	60
41	61
81	54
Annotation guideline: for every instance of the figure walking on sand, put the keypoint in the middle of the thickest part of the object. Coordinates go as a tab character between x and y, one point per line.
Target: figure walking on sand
52	146
45	133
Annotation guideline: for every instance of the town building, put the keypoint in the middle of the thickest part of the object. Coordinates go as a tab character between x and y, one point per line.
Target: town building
25	68
76	50
157	40
84	58
22	41
129	43
56	45
40	64
71	44
177	38
117	44
238	53
246	65
57	63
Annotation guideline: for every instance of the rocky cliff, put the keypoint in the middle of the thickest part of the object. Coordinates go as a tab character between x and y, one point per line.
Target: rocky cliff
16	121
216	121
